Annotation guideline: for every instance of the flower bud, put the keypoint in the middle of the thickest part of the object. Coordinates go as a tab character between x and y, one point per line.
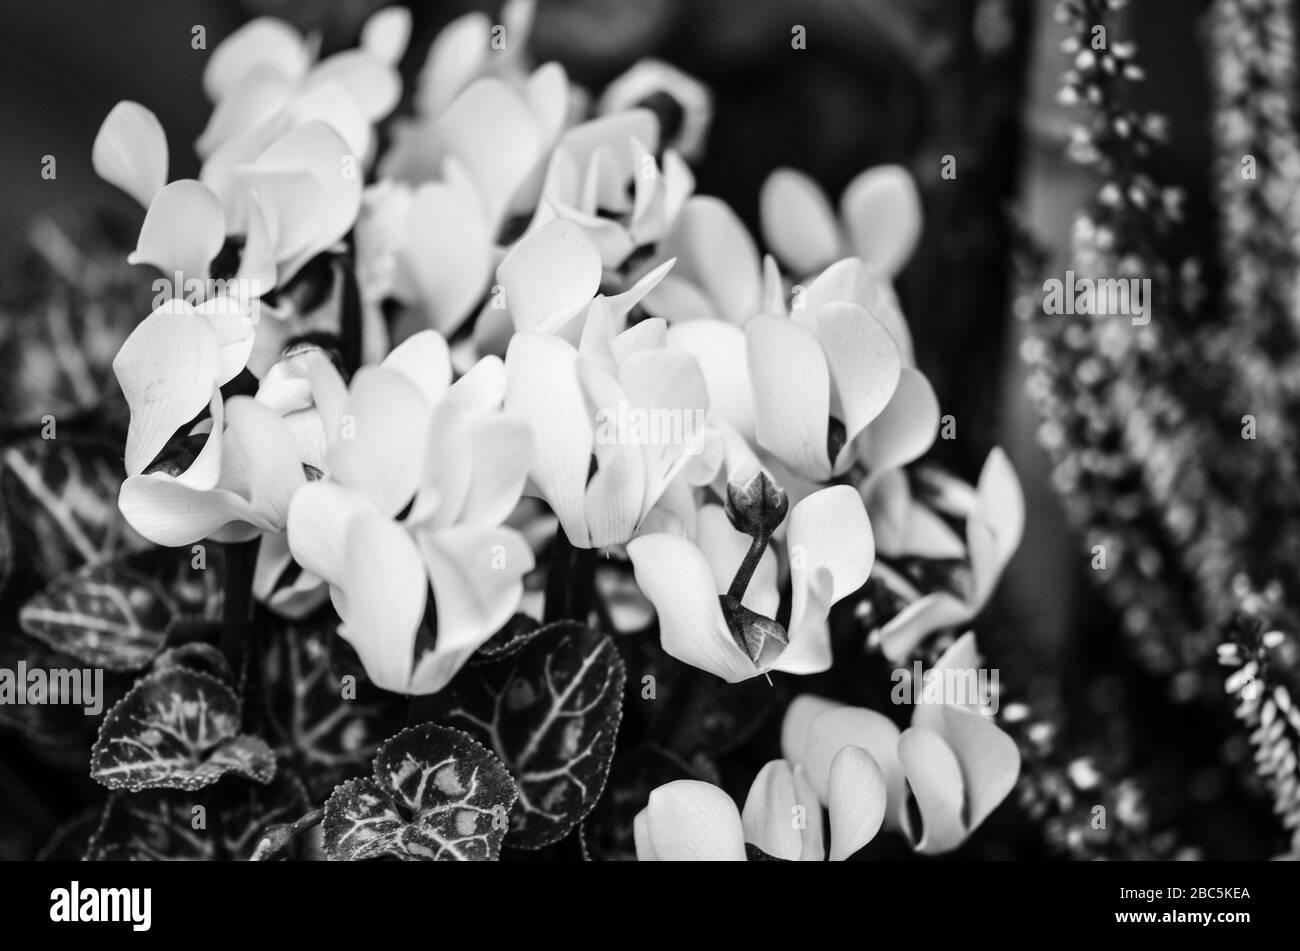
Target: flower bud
757	506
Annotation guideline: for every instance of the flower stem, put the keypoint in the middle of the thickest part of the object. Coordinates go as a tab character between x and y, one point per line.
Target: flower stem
757	545
570	580
237	607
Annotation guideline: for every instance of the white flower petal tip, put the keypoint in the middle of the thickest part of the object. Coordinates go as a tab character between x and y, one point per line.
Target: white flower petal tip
550	276
798	222
857	796
386	34
688	820
130	151
183	231
882	212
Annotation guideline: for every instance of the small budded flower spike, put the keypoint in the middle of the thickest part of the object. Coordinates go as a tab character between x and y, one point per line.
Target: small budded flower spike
760	637
756	506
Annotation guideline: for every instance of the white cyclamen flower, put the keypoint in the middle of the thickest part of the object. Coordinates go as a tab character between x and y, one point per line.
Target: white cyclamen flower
420	475
830	553
614	421
688	820
953	763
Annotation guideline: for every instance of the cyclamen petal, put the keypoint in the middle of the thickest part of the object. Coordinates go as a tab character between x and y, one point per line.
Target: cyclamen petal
935	780
542	388
167	368
183	230
692	821
769	816
791	393
717	254
264	41
550	276
385	585
384	435
677	579
477	578
798	222
882	210
130	151
857	798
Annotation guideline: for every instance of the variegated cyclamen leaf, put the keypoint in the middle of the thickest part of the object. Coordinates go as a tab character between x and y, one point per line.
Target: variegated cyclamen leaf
436	794
64	729
116	614
179	729
220	823
551	712
327	725
62	501
510	640
68	300
71	839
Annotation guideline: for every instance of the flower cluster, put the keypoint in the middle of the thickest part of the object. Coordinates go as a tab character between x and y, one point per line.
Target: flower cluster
408	374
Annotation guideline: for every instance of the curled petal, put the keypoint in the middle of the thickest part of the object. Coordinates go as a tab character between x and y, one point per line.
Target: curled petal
798	222
717	254
542	388
906	427
167	368
864	365
691	821
319	518
719	349
183	230
798	718
874	732
882	210
386	33
447	256
994	529
477	577
791	393
383	436
989	758
831	553
935	779
424	360
264	41
677	579
385	588
130	151
771	818
550	276
857	799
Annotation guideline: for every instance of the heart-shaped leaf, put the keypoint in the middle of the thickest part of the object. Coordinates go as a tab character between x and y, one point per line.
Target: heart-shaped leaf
511	639
62	501
220	823
116	614
179	729
326	725
551	712
436	794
